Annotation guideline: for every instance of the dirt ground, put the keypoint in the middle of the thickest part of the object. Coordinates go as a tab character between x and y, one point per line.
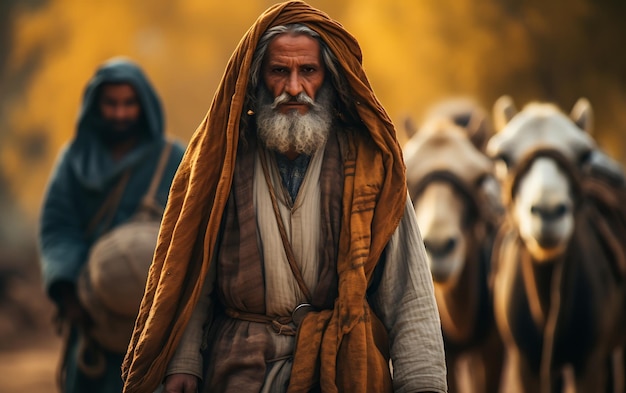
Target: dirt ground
31	366
29	347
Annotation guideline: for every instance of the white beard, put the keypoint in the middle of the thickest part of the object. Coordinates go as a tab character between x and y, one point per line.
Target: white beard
304	133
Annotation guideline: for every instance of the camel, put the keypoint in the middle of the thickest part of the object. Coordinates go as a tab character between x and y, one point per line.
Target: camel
455	199
559	257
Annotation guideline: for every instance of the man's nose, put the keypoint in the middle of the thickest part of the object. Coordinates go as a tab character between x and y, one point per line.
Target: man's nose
293	86
120	112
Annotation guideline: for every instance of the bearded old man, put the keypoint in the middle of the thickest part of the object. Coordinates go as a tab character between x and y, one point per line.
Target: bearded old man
118	156
289	259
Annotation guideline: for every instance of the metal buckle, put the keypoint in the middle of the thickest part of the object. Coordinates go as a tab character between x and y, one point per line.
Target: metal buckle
298	313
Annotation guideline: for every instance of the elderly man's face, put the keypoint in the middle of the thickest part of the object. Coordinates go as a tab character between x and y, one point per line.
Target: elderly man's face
293	66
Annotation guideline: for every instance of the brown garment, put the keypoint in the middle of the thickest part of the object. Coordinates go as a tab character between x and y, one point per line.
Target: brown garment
240	350
240	262
339	350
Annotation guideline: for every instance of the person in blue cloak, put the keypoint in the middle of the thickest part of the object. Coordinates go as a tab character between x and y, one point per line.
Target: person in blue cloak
99	183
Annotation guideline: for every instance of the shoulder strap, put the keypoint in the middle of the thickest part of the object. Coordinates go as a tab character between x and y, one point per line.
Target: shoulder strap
109	206
149	201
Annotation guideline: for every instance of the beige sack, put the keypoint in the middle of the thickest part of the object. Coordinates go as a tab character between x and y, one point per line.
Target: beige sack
112	283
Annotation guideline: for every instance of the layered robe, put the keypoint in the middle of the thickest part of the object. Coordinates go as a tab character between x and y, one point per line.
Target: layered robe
84	175
247	356
340	347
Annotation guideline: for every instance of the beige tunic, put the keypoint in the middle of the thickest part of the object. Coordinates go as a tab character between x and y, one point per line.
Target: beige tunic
299	218
404	300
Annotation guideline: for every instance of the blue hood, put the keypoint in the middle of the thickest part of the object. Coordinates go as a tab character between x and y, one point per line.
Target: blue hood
90	160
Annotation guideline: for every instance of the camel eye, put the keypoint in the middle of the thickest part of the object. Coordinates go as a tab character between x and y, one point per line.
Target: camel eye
584	157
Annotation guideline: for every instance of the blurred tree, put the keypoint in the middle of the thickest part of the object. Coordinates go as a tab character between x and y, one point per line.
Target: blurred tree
13	227
415	53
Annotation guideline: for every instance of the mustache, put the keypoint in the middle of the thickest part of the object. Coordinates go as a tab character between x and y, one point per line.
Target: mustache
122	124
301	98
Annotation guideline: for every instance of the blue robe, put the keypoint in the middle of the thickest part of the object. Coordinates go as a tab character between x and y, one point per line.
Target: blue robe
83	176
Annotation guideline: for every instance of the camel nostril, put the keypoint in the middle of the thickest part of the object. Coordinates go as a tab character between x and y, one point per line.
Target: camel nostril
450	245
549	213
440	248
535	210
560	210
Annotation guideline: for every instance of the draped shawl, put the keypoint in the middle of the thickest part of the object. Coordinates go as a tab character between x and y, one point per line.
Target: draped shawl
337	346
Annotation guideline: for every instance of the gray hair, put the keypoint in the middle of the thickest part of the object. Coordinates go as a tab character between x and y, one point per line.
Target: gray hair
330	61
331	64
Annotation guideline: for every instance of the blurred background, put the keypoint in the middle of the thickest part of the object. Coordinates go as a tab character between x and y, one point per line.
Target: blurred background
416	53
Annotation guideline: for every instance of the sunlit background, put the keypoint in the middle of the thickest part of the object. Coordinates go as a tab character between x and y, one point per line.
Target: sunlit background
416	52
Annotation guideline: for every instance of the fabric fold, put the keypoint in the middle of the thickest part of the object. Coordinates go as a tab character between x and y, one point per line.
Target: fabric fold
373	171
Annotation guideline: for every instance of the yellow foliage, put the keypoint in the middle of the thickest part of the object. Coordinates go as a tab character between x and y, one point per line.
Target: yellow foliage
415	53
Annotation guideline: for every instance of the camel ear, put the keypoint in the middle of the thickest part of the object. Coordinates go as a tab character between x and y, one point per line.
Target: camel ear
503	111
491	188
582	115
409	127
479	129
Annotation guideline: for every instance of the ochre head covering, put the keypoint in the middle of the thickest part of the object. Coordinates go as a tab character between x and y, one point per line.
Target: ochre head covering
340	347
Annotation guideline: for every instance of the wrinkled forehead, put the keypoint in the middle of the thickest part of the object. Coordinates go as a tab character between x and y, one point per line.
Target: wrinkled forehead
546	129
